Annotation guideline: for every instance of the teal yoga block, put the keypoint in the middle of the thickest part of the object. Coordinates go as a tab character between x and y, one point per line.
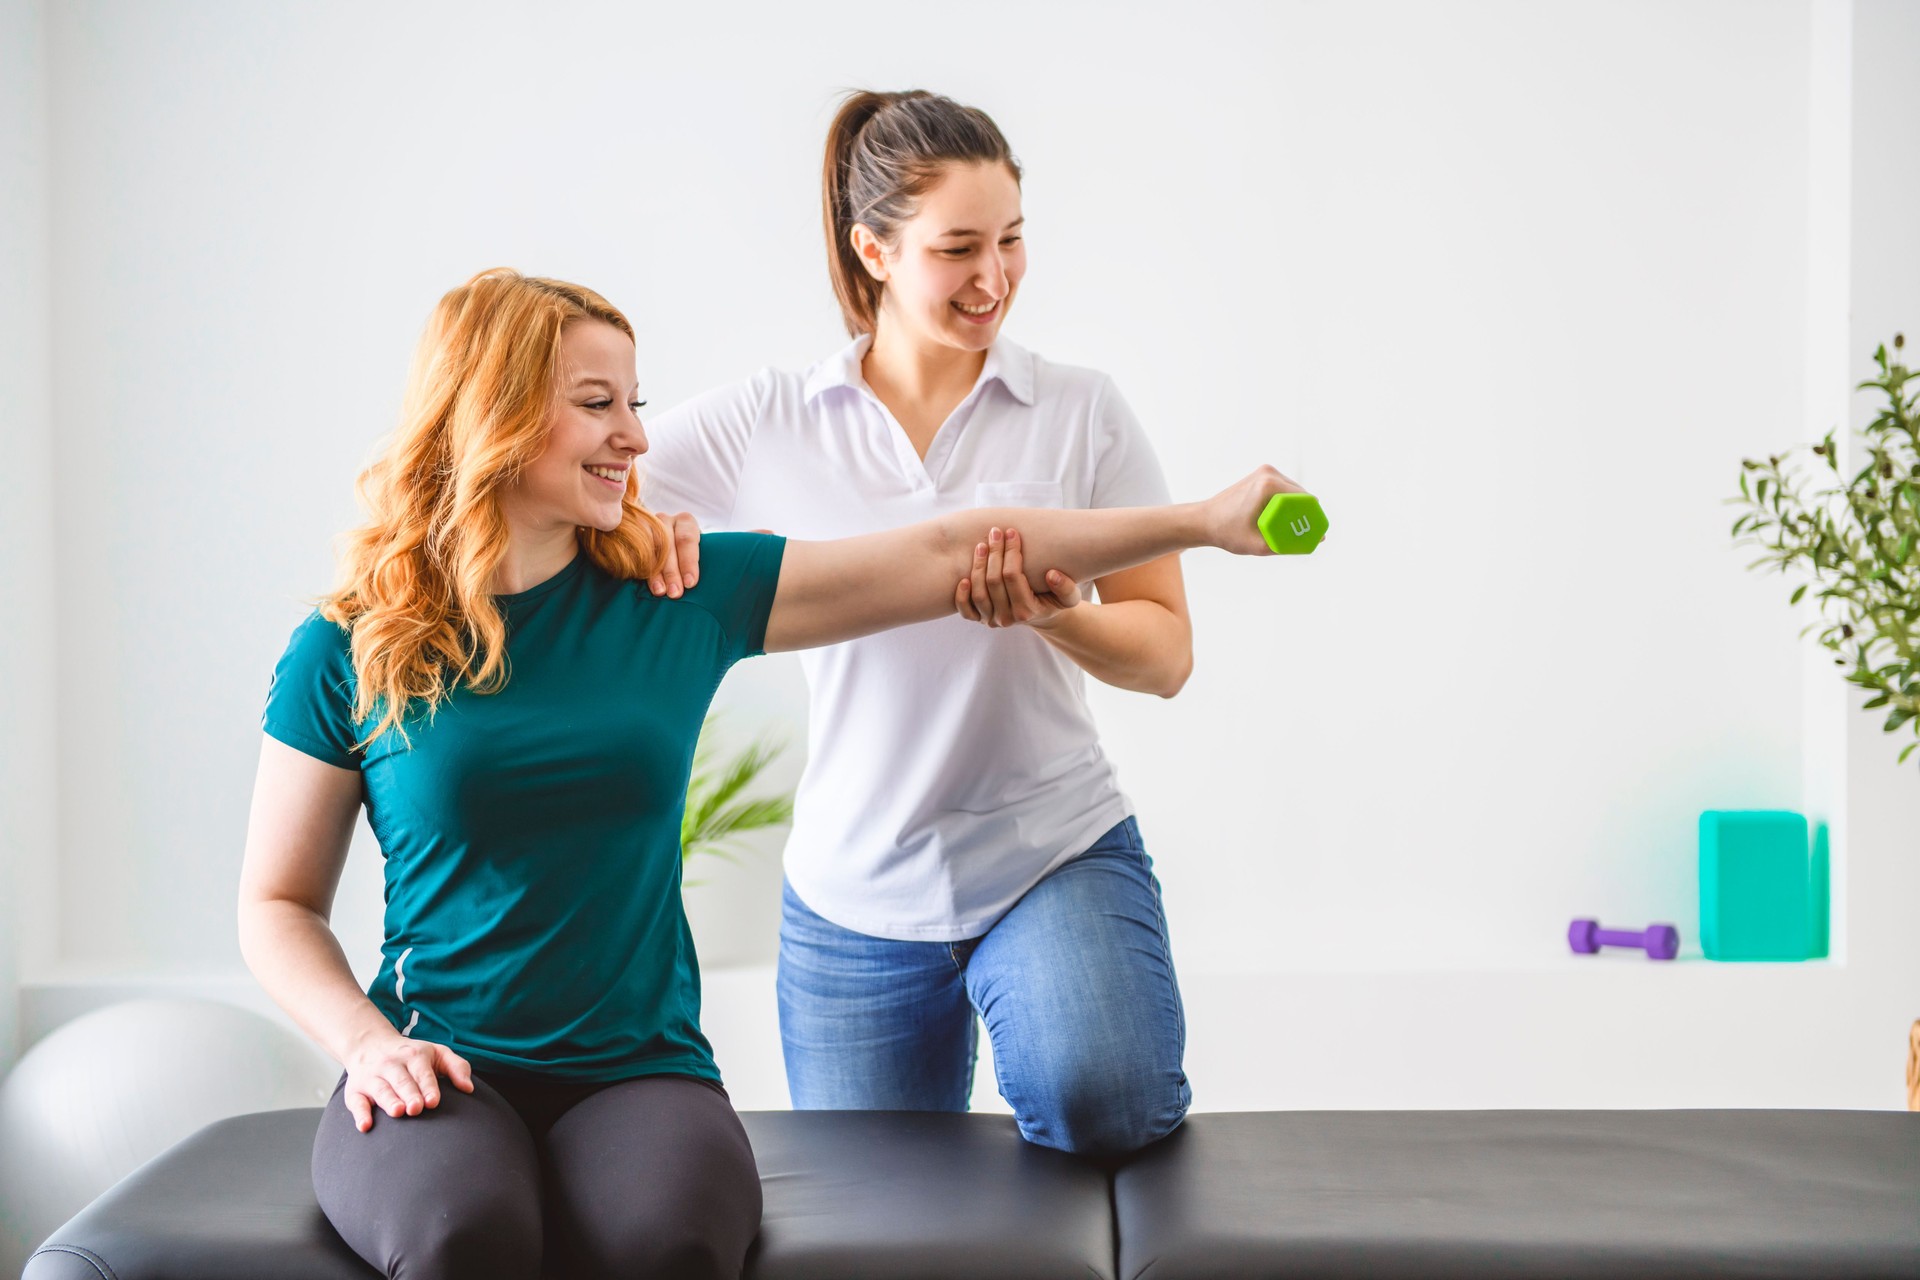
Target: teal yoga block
1763	887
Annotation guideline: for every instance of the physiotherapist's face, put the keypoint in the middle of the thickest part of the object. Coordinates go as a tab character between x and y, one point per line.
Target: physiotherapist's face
594	434
958	262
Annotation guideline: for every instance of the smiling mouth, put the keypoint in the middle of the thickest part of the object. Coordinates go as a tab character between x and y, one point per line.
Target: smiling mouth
615	476
977	311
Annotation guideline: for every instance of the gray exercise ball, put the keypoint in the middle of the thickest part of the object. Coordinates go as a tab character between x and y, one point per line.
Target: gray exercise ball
103	1094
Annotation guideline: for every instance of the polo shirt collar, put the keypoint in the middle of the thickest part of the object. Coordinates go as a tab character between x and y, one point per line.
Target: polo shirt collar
1008	362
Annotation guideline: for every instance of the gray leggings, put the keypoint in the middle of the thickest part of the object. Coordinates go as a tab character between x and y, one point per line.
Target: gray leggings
526	1177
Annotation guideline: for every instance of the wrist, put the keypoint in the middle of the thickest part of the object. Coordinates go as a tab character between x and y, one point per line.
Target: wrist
365	1034
1060	622
1193	526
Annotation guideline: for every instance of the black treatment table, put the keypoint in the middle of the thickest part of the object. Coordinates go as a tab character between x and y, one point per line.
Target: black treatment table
1381	1194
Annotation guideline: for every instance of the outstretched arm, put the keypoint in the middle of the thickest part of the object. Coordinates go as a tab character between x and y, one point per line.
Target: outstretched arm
834	591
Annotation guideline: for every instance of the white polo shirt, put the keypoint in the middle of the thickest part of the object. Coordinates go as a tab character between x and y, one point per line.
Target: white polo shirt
950	765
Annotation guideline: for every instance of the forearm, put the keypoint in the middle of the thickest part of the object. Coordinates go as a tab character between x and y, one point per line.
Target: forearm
1083	544
1139	645
834	591
298	961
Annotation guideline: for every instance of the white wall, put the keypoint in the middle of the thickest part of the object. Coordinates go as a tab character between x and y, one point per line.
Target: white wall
1513	286
26	509
1884	801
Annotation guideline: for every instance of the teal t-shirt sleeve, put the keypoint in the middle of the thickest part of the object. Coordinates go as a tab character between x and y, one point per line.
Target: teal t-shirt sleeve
310	701
738	575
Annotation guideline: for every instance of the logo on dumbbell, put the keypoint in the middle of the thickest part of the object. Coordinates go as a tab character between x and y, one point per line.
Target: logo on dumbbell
1292	523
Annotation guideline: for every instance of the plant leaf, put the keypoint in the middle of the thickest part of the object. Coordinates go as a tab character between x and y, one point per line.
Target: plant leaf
715	811
1857	541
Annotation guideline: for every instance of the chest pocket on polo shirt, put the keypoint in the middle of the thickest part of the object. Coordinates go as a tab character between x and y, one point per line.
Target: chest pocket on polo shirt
1018	493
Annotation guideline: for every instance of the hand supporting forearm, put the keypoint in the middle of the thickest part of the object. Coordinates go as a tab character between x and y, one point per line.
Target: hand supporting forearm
298	961
834	591
1083	544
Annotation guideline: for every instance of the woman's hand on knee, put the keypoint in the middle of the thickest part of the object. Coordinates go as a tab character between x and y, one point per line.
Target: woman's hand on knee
997	593
400	1076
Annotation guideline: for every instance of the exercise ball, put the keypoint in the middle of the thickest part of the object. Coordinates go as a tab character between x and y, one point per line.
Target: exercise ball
105	1093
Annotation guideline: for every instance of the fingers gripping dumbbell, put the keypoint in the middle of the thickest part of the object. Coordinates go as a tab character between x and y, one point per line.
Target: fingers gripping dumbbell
1659	941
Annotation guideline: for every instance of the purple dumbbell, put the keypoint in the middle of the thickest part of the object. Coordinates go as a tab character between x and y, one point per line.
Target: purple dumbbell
1659	941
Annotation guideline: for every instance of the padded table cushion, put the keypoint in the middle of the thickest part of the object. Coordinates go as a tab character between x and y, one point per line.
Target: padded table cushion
1648	1194
908	1195
232	1202
849	1195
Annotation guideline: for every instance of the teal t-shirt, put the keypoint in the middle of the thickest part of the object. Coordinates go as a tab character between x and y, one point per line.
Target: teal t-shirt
532	836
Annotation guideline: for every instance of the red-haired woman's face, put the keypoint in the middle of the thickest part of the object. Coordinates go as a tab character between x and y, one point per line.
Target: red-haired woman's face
593	437
959	260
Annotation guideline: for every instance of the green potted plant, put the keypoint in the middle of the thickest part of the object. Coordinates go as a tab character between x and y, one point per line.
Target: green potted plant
718	809
1854	544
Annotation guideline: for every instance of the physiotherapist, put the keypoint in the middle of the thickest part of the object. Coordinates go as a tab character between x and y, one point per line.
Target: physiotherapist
960	841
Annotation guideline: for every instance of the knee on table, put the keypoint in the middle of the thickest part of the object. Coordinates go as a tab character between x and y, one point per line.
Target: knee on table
474	1242
680	1251
1106	1113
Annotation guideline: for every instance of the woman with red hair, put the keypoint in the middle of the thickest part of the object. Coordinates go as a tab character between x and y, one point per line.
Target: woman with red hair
517	714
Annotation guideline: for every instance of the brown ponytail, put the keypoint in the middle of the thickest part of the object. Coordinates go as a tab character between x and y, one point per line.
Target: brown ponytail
885	151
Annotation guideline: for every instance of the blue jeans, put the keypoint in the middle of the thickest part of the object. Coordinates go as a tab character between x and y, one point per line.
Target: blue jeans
1075	984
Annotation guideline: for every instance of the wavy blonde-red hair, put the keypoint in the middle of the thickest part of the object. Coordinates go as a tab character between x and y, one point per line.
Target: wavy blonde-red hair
416	587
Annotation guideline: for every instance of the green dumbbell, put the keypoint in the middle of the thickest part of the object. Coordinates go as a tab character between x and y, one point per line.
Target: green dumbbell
1293	523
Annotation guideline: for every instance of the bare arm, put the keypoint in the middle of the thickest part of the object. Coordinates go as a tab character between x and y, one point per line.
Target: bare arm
297	836
1138	637
827	590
